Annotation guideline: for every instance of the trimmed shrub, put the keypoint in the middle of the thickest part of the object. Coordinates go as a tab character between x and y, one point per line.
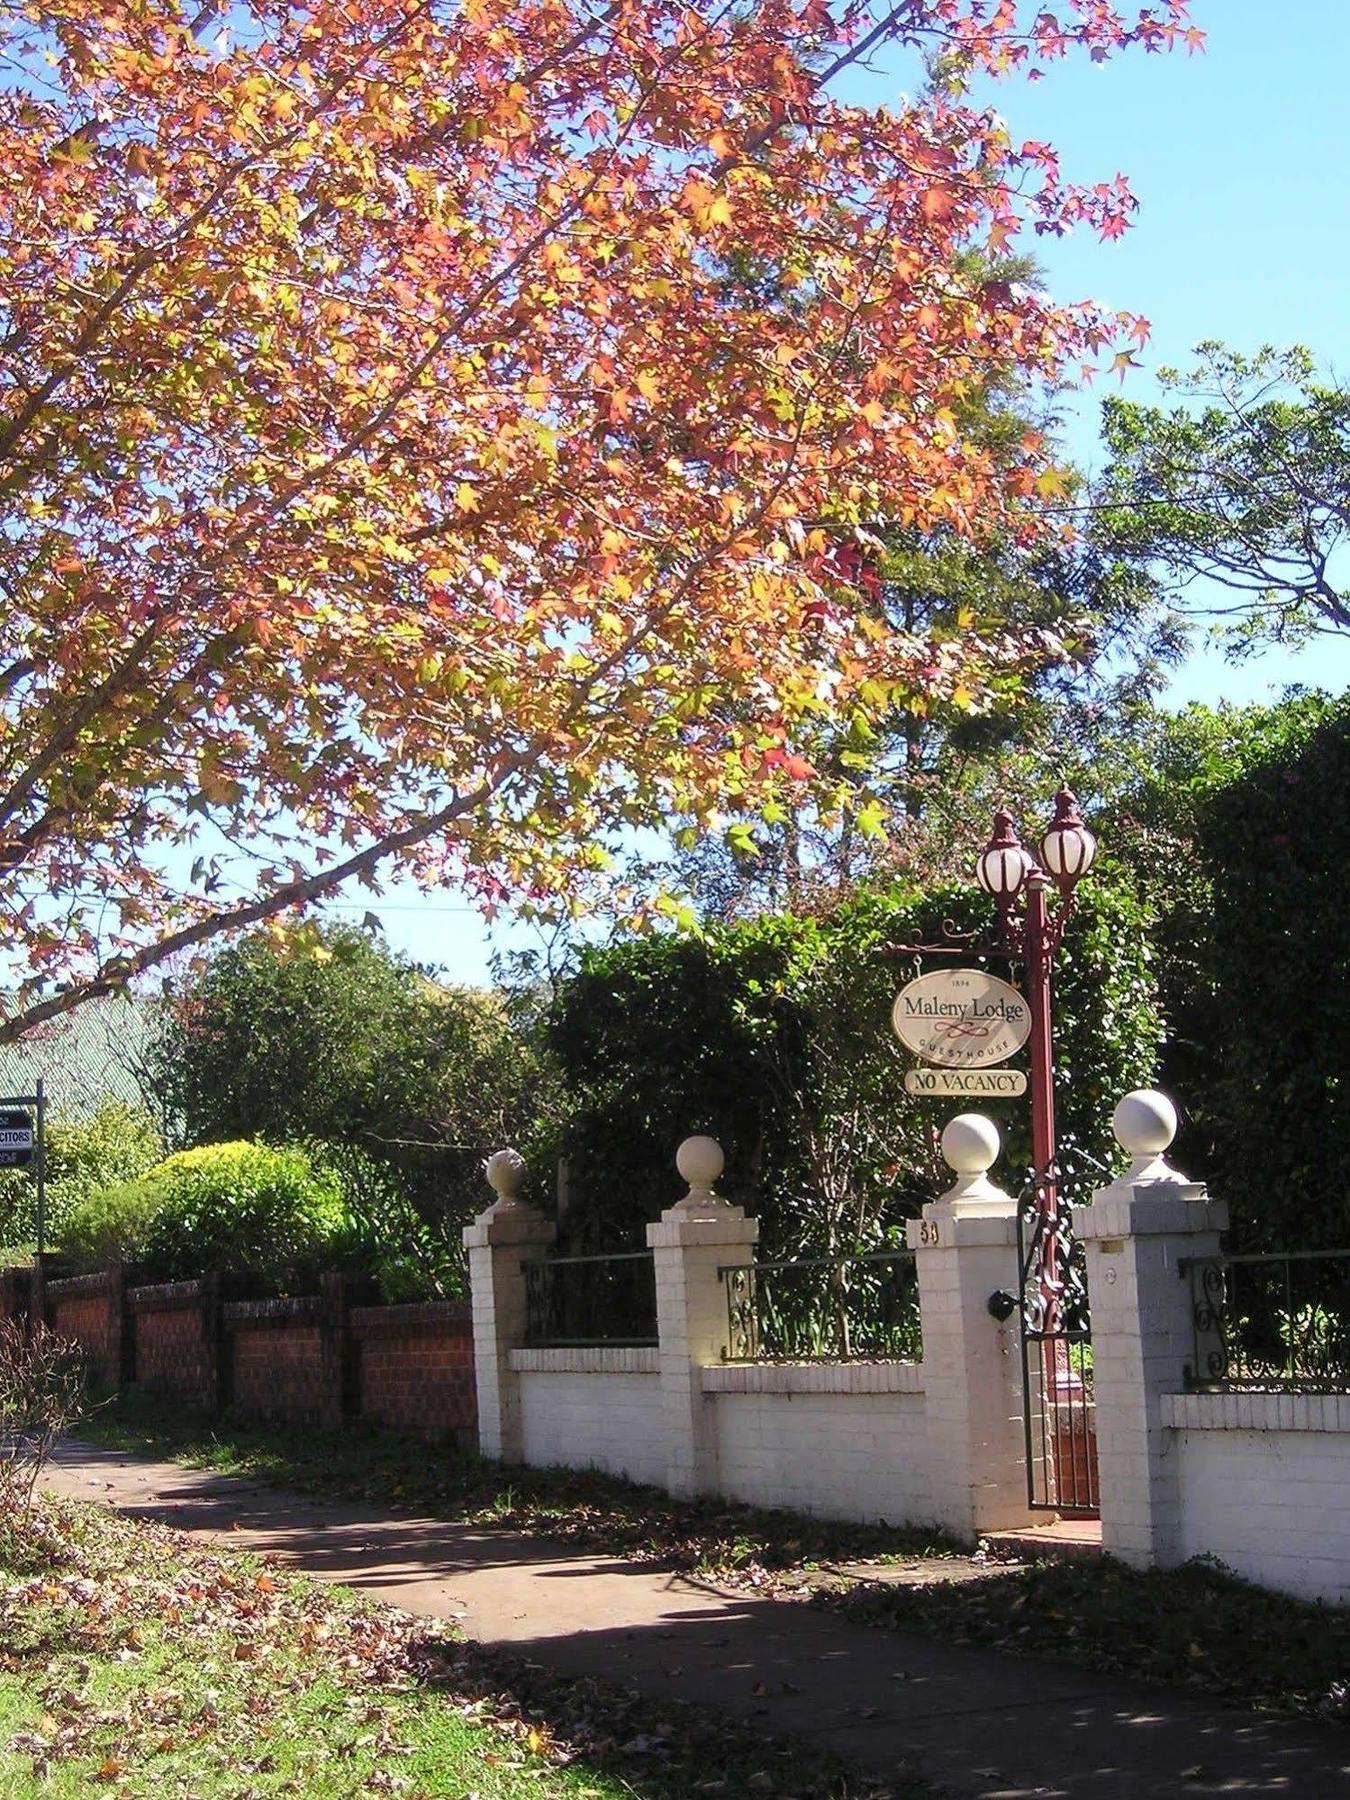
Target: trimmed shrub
239	1208
110	1226
245	1208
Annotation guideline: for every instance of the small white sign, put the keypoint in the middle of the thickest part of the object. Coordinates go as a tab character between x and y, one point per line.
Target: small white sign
961	1019
995	1084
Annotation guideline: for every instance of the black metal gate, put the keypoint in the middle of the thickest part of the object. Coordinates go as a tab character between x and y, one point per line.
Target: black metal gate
1056	1334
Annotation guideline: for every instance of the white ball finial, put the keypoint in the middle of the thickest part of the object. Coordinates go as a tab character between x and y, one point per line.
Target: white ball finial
505	1170
700	1161
970	1144
1145	1122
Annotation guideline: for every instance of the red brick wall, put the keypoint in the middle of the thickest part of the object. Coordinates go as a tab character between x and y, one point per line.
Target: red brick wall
277	1364
312	1361
175	1355
85	1310
416	1368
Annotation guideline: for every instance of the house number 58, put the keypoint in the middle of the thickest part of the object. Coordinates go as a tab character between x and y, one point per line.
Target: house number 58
928	1232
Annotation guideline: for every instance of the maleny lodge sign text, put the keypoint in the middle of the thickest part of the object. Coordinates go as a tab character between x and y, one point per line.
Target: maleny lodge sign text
961	1019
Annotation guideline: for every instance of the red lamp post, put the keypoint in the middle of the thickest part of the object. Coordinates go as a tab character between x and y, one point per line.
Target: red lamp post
1009	872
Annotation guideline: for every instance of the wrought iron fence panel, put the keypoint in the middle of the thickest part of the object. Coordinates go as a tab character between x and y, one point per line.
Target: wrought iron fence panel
577	1301
1270	1321
824	1309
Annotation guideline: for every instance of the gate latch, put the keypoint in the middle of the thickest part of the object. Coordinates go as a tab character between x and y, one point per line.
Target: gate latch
1001	1304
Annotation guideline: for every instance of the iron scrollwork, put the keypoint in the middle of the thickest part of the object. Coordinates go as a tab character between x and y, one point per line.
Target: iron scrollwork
1208	1315
742	1331
1054	1269
1270	1322
1057	1369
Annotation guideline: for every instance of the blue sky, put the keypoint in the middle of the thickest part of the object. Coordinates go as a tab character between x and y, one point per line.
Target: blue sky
1243	234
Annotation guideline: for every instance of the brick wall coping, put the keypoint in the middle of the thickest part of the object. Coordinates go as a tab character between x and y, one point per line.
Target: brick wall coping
288	1310
165	1296
414	1315
77	1286
588	1359
1256	1412
813	1378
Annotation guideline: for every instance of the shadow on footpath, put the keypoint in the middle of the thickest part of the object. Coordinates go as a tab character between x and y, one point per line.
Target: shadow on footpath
978	1722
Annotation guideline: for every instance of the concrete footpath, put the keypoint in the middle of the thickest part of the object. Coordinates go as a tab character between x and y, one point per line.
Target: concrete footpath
978	1724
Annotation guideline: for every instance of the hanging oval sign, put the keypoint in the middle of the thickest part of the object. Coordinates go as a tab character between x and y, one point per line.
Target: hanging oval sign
961	1019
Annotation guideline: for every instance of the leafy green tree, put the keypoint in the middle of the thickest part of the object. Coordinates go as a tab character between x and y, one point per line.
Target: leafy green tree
1245	484
329	1037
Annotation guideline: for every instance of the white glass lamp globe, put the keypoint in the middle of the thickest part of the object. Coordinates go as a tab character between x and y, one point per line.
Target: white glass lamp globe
1068	849
1004	864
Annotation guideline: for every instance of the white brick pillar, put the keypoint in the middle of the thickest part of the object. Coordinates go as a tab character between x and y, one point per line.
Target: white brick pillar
965	1248
499	1242
690	1242
1135	1232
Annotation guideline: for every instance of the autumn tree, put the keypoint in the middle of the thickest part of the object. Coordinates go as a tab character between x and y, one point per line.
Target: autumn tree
387	480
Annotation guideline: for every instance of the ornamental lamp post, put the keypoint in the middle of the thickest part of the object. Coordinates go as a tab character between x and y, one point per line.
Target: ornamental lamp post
1009	872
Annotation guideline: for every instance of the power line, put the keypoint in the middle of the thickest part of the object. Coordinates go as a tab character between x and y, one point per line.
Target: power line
377	906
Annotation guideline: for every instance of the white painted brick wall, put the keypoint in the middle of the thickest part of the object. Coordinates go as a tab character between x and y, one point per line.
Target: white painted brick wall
845	1441
1257	1480
813	1378
1263	1480
844	1449
575	1419
587	1359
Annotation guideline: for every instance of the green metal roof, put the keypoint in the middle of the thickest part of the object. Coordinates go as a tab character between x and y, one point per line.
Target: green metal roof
86	1056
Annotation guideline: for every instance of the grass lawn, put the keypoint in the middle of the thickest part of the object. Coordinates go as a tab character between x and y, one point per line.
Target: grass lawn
761	1548
135	1662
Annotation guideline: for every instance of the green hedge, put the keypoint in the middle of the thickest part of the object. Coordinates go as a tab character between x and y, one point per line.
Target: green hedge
774	1035
239	1208
1241	829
